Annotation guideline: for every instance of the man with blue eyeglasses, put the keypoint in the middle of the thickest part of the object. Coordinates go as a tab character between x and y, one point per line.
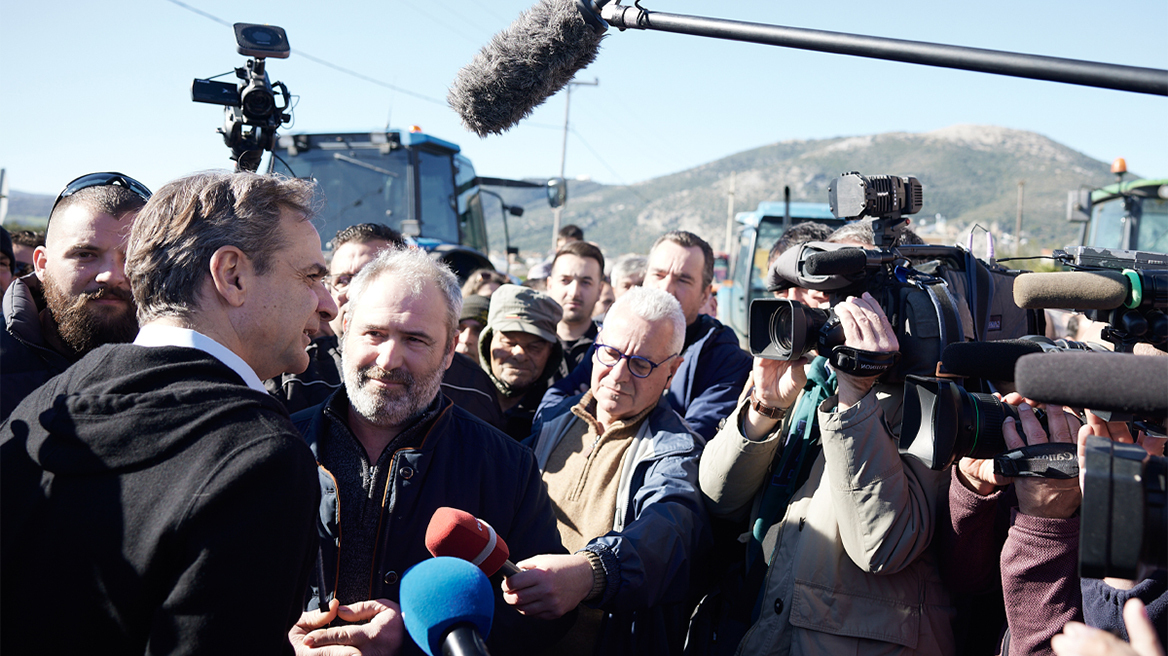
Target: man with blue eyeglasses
621	469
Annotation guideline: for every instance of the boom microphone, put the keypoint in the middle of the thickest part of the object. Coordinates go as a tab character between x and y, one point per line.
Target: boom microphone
995	360
447	606
526	64
845	262
1079	290
457	533
1120	382
987	360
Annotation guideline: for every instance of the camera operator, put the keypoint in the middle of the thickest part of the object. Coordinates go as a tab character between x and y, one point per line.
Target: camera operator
1032	529
840	523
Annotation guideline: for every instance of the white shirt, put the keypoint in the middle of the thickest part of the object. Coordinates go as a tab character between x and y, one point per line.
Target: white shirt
159	335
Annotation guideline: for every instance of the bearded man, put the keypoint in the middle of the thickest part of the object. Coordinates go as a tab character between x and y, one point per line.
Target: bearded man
393	448
77	297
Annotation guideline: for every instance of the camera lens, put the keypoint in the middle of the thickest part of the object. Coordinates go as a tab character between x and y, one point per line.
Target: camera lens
942	422
782	327
980	425
786	330
258	103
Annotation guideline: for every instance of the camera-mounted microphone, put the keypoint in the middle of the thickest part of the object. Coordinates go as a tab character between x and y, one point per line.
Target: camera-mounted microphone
252	114
1128	290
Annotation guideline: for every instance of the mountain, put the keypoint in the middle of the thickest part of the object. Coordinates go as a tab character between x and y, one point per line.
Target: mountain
970	175
28	211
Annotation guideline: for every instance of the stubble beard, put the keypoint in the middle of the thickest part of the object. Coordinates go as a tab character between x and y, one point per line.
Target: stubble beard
390	408
83	327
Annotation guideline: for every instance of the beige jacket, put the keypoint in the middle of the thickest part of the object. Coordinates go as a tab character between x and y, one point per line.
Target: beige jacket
850	568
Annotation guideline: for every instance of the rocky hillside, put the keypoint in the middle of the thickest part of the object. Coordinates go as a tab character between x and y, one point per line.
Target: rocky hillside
970	175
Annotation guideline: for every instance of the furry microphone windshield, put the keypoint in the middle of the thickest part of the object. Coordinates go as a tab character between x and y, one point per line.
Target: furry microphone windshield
525	65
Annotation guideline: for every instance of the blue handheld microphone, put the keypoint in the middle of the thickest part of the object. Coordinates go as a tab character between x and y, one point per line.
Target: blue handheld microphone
447	606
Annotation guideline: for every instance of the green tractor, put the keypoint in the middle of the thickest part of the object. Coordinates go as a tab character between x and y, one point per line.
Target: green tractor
1129	215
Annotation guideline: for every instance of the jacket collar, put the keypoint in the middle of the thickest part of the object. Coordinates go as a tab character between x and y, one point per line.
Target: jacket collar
22	306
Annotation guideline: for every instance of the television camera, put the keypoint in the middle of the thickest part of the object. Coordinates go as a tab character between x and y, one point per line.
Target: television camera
252	114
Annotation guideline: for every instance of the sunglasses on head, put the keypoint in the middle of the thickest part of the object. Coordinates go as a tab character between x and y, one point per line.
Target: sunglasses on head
101	180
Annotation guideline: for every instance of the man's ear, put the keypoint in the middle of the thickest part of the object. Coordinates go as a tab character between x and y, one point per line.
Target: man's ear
40	261
231	273
674	363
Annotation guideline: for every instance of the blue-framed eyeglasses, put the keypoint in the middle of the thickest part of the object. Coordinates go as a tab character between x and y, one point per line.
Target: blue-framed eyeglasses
638	366
101	180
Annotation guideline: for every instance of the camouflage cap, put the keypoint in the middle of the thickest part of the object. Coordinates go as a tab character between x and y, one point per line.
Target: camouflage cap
522	309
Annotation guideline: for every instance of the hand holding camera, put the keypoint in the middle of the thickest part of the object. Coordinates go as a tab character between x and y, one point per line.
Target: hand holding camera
1042	497
866	328
1037	497
776	385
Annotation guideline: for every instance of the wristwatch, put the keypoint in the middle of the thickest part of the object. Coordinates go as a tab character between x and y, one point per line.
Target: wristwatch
765	410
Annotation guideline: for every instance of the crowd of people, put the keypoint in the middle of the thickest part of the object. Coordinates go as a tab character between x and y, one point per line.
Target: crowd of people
215	440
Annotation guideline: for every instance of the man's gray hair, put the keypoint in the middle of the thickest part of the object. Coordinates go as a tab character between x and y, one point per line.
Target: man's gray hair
412	268
654	305
861	232
629	266
181	227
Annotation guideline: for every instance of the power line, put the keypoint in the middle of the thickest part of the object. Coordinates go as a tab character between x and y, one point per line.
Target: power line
460	16
371	80
441	22
485	8
323	62
201	13
605	164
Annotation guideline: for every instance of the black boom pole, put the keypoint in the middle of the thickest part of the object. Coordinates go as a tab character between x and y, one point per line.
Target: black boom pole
1036	67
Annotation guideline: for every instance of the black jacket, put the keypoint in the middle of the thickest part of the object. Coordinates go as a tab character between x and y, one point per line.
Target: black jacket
150	502
581	348
27	361
461	463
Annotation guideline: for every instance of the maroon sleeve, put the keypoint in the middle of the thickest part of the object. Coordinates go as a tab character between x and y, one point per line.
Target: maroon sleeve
1040	580
971	539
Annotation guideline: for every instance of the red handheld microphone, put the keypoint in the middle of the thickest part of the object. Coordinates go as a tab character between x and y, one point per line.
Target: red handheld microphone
457	533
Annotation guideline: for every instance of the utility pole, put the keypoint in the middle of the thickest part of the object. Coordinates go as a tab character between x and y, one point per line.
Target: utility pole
564	151
3	195
730	219
1018	221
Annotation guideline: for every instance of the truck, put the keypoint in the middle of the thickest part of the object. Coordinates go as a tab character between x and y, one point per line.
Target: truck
755	233
1129	215
416	183
413	182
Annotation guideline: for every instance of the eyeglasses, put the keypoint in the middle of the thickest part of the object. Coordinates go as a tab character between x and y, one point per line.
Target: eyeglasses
638	366
101	180
339	282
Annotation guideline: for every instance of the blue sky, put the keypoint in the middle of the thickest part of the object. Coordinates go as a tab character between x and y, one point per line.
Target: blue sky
105	86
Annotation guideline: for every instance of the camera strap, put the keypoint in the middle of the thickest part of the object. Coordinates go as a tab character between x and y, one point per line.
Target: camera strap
857	362
1045	460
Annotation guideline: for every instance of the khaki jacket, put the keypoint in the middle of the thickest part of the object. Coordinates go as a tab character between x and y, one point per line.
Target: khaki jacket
850	571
